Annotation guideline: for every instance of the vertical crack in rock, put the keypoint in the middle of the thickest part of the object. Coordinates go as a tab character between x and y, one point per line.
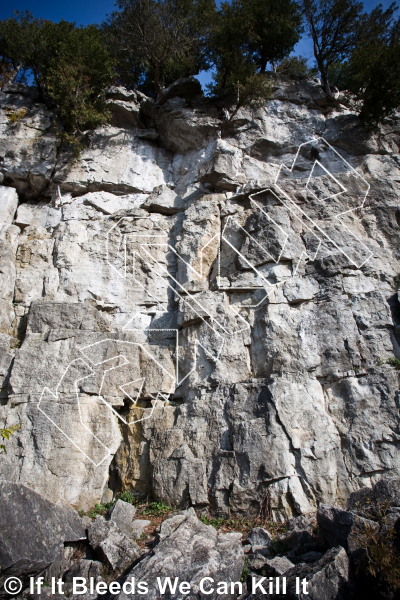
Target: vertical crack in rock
218	257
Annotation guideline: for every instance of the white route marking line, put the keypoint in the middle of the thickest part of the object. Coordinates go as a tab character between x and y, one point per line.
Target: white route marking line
199	274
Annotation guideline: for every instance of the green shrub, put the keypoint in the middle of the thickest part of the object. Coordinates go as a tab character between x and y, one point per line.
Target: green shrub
395	362
214	521
381	557
6	433
156	509
245	570
127	497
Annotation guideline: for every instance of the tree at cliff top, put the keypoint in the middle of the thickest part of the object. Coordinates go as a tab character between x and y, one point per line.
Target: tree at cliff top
168	38
228	49
372	73
29	44
76	79
334	26
275	27
249	34
296	65
69	65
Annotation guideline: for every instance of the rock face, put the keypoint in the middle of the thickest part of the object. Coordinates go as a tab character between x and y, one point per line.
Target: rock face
199	311
111	544
190	551
331	577
32	531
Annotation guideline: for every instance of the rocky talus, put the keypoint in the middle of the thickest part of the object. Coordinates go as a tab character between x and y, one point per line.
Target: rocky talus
197	311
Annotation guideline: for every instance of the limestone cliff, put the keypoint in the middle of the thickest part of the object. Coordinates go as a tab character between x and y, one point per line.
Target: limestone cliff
199	310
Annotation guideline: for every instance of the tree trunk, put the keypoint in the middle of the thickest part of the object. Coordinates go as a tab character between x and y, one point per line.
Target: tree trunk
325	82
223	83
263	63
327	88
156	81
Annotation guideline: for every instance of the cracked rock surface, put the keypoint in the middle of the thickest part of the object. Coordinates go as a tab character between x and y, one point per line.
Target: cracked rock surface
191	321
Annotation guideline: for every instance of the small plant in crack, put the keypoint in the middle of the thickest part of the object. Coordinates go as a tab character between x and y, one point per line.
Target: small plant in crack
395	362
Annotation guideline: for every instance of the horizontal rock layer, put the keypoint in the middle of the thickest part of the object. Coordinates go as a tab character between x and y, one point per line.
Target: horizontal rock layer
201	311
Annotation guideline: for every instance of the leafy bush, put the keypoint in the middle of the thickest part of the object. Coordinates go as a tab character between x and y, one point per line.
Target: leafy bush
296	65
6	433
14	116
76	79
7	73
127	497
381	557
245	570
156	509
395	362
70	67
167	39
214	521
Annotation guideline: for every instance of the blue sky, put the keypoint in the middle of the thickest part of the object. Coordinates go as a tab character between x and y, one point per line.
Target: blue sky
84	12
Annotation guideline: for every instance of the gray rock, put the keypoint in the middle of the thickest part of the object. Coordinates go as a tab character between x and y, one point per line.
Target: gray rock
311	556
122	513
7	280
295	404
330	578
259	537
138	526
124	113
340	527
256	562
8	205
336	524
84	568
275	567
165	201
32	213
111	544
32	531
29	146
368	501
261	550
185	88
190	550
45	316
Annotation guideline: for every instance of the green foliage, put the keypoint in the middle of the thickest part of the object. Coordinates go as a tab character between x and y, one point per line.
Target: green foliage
334	26
97	509
148	44
381	557
372	73
127	497
76	78
13	116
30	44
156	509
338	75
228	49
358	52
295	65
249	34
274	28
246	570
6	433
165	38
70	66
395	362
214	521
7	73
254	92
